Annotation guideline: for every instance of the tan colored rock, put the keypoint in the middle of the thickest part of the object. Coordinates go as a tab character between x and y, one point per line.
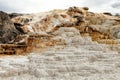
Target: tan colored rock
78	22
80	18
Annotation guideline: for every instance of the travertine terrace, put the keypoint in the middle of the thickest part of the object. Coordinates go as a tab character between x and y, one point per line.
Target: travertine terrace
70	44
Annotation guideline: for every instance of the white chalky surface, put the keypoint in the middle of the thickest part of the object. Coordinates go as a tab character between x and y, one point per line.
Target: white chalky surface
80	59
63	63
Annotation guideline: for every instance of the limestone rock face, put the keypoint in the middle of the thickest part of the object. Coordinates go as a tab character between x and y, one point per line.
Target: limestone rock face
51	21
7	29
103	23
70	44
68	35
80	18
63	25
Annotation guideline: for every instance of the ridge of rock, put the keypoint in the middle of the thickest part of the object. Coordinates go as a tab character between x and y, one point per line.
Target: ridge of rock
70	44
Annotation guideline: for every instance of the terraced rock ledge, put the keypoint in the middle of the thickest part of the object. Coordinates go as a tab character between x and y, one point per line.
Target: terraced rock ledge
70	44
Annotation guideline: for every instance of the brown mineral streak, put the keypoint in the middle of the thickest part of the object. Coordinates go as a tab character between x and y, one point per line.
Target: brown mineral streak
29	32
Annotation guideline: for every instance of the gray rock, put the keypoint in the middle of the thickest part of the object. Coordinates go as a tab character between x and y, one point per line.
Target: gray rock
7	28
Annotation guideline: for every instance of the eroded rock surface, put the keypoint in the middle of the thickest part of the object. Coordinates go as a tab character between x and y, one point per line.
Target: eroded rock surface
70	44
7	29
79	59
79	18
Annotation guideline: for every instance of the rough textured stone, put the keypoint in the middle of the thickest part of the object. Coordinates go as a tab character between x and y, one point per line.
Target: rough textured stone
13	15
7	29
70	44
79	18
77	21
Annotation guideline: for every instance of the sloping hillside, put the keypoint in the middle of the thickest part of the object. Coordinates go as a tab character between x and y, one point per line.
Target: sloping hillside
62	45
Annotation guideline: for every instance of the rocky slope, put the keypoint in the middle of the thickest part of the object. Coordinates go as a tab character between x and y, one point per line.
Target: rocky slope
62	44
7	29
80	18
79	59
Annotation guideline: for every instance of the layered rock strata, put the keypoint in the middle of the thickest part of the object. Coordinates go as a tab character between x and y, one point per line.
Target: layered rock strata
18	28
79	58
70	44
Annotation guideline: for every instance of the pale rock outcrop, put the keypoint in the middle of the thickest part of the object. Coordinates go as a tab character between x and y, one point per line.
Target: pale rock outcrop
105	24
79	59
62	26
79	18
100	27
63	45
67	35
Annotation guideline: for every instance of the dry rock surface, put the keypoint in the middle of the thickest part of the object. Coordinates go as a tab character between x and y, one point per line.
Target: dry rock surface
7	28
70	44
